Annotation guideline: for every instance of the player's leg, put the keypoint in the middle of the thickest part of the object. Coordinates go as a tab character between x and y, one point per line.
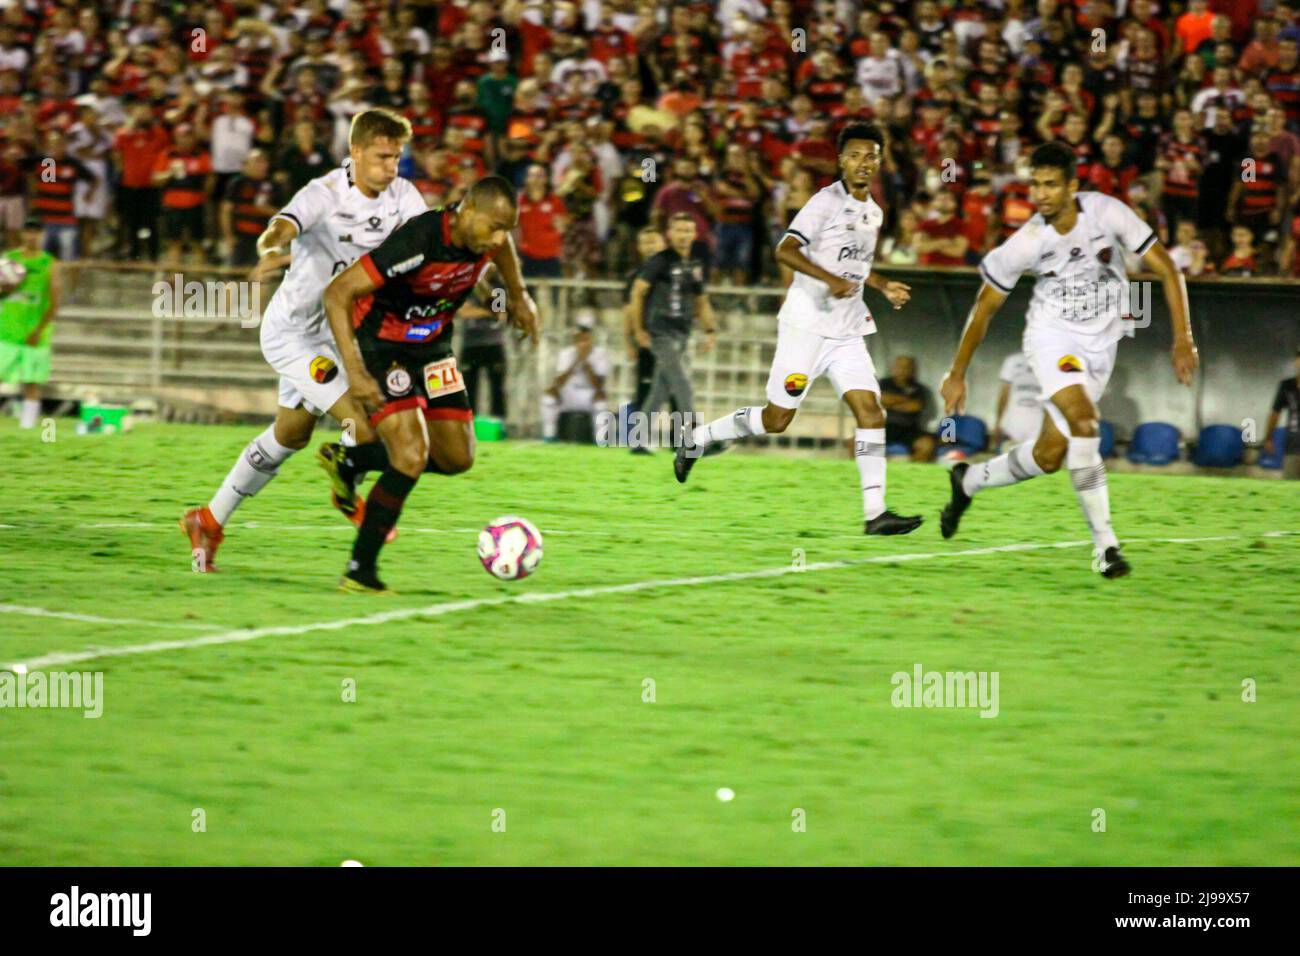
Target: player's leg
788	380
640	438
1024	461
1088	475
33	372
550	416
346	461
403	434
451	443
848	365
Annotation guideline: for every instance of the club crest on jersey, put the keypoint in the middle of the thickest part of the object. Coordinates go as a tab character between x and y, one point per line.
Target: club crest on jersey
374	224
1068	363
795	383
398	380
406	265
323	370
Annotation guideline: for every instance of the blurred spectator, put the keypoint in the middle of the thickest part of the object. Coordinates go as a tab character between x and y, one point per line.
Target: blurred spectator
543	219
1260	194
57	175
91	144
905	401
1243	260
579	384
184	173
739	192
685	193
302	160
1288	401
483	350
250	200
940	241
137	148
900	249
13	185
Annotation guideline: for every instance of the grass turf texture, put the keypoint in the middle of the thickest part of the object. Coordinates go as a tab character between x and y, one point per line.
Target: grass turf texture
1124	696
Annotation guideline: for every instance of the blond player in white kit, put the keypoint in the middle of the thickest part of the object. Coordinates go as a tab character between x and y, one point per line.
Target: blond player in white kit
829	246
1074	248
329	224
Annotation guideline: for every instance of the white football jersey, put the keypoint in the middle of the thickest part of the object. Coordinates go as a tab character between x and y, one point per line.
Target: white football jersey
337	224
1080	284
839	234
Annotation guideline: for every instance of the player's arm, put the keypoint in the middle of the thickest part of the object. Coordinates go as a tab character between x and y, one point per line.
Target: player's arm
521	308
273	247
344	289
704	308
987	302
898	293
1157	260
789	253
56	296
1269	429
636	312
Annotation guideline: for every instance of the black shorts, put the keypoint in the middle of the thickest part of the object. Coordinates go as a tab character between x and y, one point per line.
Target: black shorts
183	223
416	376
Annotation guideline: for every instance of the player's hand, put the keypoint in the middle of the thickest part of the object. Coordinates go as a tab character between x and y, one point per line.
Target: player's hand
898	293
953	390
523	316
710	340
365	390
267	266
1185	361
842	288
642	338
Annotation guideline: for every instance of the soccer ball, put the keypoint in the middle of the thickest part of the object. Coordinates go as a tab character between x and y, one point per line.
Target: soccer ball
510	548
12	275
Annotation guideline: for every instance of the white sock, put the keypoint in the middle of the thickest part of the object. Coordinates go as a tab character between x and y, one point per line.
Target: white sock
1016	465
869	451
256	465
1088	475
550	416
741	423
31	413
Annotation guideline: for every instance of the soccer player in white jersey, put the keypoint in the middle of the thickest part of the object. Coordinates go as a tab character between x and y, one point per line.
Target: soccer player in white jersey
821	324
328	225
1074	248
1020	402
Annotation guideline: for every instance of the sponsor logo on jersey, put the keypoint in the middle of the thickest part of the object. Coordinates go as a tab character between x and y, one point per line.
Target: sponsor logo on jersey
855	252
1047	255
795	383
1068	363
418	333
398	380
323	370
406	265
426	311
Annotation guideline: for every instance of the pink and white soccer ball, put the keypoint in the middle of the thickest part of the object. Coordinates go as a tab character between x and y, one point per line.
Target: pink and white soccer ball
510	548
12	274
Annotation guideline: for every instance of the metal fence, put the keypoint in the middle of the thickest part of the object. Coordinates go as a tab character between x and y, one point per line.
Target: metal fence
112	341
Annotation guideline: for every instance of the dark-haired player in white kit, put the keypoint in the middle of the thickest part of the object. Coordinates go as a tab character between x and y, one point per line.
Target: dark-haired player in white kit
1074	248
830	245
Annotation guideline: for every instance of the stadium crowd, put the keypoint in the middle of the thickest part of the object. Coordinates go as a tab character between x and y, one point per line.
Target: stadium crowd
145	129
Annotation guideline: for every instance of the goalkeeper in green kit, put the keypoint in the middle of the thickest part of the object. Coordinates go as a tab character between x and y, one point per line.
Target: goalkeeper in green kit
26	308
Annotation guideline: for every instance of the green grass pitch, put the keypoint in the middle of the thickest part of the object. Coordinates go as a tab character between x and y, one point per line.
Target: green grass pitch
1121	696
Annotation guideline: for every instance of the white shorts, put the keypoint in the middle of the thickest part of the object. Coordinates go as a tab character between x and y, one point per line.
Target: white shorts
1059	360
1021	424
311	374
802	357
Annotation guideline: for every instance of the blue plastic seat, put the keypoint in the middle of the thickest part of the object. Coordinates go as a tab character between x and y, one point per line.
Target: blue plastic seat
969	434
1107	439
1279	442
1154	443
1219	446
898	448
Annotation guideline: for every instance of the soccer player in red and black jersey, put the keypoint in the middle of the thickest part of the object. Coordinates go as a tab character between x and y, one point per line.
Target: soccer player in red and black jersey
391	314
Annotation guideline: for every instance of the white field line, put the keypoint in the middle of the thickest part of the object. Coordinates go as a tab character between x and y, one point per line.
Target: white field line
95	619
436	610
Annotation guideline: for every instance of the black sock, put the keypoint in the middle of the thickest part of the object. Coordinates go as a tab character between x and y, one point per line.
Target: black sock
383	508
359	459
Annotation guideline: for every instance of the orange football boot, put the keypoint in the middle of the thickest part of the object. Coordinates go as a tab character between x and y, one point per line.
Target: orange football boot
205	537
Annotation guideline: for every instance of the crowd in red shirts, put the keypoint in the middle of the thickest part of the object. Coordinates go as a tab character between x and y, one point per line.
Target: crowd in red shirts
143	129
